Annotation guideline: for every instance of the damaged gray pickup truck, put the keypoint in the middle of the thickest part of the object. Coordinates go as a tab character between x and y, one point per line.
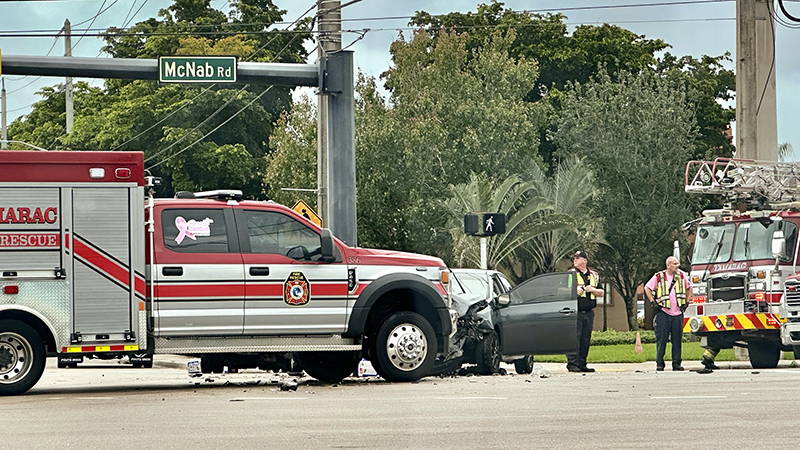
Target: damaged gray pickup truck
498	322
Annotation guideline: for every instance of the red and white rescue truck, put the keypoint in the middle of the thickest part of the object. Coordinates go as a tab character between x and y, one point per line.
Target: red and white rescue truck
745	254
91	267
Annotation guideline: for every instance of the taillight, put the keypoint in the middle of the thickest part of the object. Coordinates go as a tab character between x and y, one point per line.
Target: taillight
700	310
11	289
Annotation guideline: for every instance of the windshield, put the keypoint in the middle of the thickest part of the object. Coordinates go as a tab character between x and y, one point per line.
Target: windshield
754	240
713	244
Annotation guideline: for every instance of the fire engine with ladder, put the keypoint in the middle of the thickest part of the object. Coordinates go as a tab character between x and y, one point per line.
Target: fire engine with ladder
92	267
745	255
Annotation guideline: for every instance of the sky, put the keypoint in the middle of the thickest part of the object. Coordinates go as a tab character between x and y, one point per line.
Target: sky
698	27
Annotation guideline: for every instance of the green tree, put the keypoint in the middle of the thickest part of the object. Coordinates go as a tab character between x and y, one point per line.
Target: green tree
292	162
195	138
451	112
573	192
637	136
569	58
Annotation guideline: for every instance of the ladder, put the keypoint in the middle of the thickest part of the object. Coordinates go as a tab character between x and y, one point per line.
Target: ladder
755	184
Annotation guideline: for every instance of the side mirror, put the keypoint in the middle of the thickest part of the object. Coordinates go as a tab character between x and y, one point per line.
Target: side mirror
503	300
778	244
327	246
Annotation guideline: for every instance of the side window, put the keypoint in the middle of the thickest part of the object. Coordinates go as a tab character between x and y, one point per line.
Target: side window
276	233
195	230
545	288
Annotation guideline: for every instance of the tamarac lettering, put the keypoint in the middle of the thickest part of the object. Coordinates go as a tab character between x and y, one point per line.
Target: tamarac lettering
26	215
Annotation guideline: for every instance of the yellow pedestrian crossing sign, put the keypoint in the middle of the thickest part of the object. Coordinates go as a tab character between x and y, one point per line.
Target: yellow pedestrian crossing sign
304	210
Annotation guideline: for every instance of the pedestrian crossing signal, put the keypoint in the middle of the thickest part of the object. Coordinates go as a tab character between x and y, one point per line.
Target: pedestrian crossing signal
484	224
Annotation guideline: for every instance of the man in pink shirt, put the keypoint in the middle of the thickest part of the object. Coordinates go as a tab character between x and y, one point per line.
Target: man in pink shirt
670	291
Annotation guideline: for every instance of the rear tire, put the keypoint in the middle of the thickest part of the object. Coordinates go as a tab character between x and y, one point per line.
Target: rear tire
212	363
763	354
524	366
488	354
329	367
22	357
404	347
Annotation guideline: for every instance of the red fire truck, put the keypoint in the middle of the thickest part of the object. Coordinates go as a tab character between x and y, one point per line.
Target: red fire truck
91	267
743	254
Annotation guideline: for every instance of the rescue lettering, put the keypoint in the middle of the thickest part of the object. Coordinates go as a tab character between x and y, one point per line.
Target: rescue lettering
22	214
17	240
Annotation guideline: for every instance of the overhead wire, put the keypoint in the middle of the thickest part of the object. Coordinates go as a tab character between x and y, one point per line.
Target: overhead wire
772	64
208	88
228	102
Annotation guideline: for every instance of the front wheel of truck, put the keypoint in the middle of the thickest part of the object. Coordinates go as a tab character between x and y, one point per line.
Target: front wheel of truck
404	347
22	357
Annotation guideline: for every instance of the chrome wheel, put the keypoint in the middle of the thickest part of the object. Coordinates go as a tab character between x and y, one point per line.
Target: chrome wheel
406	347
16	357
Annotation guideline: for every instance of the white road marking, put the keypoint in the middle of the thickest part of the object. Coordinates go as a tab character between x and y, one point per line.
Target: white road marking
471	398
246	399
96	398
700	397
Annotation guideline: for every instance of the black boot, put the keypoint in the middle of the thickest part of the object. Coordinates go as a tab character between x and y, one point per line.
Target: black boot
709	363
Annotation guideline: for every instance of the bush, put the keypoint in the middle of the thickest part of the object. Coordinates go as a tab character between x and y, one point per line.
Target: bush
613	337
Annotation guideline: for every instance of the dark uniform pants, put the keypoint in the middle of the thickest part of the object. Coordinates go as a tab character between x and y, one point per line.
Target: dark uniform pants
668	328
585	325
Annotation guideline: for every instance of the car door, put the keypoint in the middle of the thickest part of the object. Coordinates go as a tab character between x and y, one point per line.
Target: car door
540	316
288	288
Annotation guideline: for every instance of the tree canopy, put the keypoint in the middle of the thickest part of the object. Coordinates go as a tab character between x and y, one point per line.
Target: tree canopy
637	134
195	138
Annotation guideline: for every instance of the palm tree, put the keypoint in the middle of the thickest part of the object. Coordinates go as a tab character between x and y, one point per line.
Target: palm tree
546	218
572	192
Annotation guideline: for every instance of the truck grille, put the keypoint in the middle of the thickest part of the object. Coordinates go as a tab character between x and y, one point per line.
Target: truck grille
727	289
792	295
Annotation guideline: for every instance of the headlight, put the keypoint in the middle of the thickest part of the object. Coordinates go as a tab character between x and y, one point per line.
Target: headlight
699	289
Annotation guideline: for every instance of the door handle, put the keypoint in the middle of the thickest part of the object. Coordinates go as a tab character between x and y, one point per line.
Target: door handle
172	271
567	311
259	271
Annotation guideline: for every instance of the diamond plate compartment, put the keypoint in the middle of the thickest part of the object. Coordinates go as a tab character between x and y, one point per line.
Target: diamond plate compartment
48	298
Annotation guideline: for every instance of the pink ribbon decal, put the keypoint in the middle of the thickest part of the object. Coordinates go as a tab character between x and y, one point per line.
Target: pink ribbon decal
183	229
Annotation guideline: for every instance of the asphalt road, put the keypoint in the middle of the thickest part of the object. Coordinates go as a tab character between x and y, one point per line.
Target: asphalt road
115	406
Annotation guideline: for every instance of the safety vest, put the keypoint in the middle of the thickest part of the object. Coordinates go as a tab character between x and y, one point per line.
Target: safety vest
662	289
594	278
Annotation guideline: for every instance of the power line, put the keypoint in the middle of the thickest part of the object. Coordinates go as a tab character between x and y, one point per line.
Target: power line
237	112
213	85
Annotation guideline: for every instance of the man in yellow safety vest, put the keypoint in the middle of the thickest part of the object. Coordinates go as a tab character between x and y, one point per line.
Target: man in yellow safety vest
588	291
670	291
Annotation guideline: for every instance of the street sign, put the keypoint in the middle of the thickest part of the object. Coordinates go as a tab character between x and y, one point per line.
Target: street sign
197	69
304	210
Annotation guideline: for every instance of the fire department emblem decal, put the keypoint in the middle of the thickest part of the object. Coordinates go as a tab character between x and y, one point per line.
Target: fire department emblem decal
295	290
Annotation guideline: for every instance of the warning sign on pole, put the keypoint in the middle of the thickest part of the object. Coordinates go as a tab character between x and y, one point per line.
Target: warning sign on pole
304	210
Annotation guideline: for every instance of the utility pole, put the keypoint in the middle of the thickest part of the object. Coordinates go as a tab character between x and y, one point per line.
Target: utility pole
67	30
756	105
329	24
3	127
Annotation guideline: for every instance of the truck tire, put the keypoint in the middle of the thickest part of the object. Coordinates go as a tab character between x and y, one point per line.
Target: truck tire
404	347
763	354
524	366
330	367
22	357
488	354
